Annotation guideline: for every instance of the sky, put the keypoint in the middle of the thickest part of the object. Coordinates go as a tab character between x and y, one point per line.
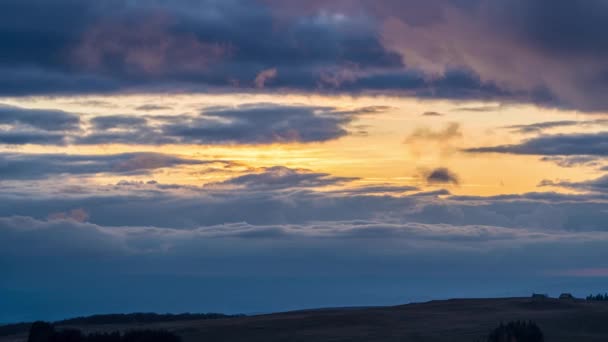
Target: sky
252	156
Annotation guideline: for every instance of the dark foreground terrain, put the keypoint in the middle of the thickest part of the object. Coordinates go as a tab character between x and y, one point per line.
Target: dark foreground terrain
466	320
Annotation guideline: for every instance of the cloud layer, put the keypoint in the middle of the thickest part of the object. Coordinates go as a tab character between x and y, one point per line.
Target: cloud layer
475	49
256	123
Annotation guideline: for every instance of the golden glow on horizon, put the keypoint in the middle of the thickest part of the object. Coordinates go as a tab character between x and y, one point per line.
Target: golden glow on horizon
383	155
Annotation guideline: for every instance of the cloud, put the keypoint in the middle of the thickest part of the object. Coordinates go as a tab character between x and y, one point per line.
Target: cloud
254	123
45	120
152	107
144	45
351	46
22	166
265	76
524	51
573	161
117	121
540	126
246	258
31	137
35	126
78	215
587	144
258	124
432	114
442	175
451	131
280	177
599	185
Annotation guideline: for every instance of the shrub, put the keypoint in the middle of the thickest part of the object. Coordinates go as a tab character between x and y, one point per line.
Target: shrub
519	331
45	332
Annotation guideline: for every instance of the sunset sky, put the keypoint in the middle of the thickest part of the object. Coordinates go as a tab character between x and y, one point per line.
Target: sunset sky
246	156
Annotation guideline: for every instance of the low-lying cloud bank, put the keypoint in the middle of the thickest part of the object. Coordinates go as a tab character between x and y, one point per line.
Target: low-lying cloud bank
283	239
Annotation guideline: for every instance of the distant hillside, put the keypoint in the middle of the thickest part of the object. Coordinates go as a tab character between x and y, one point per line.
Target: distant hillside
116	319
458	320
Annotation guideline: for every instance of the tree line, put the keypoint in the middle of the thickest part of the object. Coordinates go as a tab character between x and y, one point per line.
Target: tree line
46	332
598	297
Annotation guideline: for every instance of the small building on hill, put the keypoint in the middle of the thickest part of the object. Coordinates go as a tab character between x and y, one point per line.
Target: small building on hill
566	296
539	296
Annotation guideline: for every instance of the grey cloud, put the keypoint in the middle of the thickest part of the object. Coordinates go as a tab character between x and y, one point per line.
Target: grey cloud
481	109
280	177
574	161
31	137
537	127
45	238
152	107
117	121
42	119
442	175
40	166
591	144
377	189
599	185
354	47
283	262
36	126
432	114
266	204
540	126
258	123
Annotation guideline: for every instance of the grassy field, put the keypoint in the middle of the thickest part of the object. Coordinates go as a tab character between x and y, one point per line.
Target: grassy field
456	320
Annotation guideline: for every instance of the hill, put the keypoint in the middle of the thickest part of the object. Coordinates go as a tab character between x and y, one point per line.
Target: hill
457	320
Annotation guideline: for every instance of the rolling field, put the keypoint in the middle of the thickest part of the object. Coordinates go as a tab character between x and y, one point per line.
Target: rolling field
457	320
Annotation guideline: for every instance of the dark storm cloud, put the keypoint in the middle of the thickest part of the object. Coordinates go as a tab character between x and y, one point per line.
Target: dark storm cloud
354	46
42	119
591	144
551	51
19	166
442	175
122	44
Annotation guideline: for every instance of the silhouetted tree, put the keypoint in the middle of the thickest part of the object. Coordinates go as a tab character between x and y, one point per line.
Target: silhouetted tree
150	336
104	337
519	331
41	332
68	335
